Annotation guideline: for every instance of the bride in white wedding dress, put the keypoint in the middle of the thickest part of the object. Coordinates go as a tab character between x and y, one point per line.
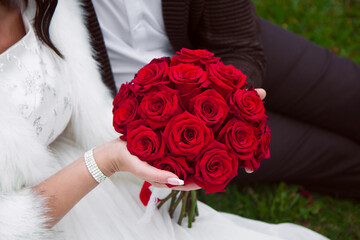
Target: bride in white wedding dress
53	110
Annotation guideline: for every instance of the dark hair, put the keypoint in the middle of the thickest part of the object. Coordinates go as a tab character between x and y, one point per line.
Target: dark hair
44	12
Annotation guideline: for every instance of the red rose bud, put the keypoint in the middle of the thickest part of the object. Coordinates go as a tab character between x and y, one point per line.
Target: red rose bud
125	113
125	92
254	162
215	169
199	57
157	107
225	78
152	74
262	152
174	164
143	142
264	141
241	138
248	105
210	107
187	135
167	60
187	77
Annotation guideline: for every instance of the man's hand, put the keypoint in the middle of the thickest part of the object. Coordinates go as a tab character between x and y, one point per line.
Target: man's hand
261	92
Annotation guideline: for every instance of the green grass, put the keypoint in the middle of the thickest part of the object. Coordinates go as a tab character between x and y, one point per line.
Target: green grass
333	217
334	24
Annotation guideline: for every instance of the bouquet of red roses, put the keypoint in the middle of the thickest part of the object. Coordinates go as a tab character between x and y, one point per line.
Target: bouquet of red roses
196	117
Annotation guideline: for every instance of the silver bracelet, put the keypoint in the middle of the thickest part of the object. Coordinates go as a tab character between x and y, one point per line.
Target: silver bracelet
93	167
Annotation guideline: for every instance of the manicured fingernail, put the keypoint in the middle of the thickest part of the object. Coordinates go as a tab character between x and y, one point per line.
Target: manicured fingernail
175	181
248	170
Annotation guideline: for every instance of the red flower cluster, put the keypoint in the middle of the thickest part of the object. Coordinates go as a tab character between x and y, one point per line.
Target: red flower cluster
193	115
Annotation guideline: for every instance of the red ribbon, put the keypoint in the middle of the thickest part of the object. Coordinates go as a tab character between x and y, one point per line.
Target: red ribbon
145	193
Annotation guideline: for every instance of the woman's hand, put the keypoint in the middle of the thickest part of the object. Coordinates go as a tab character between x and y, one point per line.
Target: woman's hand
118	158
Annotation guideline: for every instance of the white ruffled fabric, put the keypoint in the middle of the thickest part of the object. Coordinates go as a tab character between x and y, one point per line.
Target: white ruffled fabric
114	211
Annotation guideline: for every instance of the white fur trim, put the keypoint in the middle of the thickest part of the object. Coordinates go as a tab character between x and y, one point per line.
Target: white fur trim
93	103
24	161
22	217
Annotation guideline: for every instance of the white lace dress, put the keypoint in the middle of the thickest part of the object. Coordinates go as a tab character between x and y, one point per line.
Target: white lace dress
112	210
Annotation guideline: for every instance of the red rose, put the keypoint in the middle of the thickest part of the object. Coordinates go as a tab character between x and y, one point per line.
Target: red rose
150	75
187	135
125	113
157	107
215	169
262	151
240	137
225	78
143	142
264	142
264	138
189	80
199	57
188	77
167	60
210	107
248	105
174	164
125	92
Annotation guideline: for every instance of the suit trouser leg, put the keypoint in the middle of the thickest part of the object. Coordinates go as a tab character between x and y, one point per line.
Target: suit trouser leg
314	104
303	154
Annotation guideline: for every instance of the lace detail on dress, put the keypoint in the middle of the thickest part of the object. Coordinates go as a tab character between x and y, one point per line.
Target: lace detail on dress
29	72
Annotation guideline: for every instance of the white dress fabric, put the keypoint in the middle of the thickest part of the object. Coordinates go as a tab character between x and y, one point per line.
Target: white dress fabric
34	86
113	209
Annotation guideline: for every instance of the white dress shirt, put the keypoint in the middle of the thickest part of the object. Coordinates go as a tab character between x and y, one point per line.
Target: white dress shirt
134	33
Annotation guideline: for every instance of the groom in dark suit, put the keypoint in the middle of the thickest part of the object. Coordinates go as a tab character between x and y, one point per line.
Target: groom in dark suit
313	96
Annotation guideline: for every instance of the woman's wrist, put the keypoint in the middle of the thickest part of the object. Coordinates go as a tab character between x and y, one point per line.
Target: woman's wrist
105	159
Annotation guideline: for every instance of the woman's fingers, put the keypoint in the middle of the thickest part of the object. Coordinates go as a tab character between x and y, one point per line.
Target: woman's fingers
261	92
158	185
160	178
155	175
187	187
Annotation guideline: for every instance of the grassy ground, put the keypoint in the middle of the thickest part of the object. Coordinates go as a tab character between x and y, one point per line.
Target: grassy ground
334	24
